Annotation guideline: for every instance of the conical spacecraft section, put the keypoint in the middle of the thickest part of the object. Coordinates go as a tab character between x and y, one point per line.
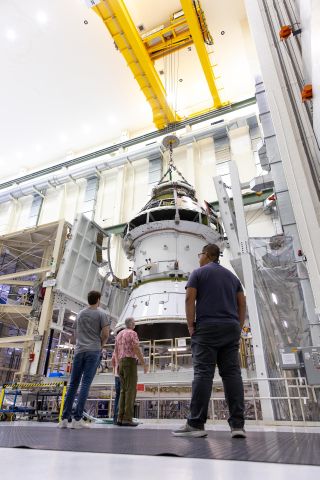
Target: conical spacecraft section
163	241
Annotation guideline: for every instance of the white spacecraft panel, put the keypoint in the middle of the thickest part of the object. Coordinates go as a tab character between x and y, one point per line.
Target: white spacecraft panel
162	301
79	269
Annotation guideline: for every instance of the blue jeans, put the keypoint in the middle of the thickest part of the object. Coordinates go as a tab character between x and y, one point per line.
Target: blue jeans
84	368
117	385
216	345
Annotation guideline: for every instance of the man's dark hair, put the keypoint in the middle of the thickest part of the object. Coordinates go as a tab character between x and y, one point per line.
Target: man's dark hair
93	297
212	251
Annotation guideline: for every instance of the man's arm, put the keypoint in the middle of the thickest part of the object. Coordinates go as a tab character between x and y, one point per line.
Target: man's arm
241	301
137	352
104	335
191	295
114	362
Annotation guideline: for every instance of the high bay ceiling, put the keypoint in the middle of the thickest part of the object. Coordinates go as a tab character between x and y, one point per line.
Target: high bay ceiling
66	89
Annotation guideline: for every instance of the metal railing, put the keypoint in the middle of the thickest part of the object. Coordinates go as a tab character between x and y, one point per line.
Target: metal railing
170	401
160	355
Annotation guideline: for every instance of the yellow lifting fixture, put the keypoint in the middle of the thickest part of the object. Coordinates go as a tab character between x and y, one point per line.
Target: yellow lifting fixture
166	39
192	16
186	27
127	39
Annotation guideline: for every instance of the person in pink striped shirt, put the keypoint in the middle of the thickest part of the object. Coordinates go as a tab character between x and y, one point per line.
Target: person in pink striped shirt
127	354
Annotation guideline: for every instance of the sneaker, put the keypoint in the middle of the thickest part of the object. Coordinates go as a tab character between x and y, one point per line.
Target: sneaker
188	431
129	424
238	433
63	423
77	424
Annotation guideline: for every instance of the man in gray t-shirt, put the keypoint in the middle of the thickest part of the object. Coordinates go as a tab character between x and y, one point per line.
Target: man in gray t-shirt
92	331
89	325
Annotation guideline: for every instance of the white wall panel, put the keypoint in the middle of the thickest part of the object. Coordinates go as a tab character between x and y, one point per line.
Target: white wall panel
51	207
241	152
205	168
74	199
22	213
106	198
136	189
7	214
259	224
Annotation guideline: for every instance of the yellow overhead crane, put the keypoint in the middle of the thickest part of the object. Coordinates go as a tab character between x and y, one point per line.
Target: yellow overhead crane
186	27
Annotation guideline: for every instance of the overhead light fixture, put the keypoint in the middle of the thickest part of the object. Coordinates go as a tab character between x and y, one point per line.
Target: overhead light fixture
11	35
72	317
274	298
42	18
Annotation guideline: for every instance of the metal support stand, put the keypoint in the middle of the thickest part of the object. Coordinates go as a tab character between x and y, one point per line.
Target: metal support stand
46	365
47	306
228	218
261	367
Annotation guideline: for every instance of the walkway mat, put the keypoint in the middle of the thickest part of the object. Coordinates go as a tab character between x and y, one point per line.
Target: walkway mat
275	447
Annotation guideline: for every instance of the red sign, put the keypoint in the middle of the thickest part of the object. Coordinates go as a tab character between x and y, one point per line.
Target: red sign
140	387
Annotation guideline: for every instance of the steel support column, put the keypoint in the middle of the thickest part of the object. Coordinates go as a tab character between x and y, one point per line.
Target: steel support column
261	367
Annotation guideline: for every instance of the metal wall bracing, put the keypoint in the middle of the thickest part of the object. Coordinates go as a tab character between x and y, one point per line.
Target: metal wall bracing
155	169
284	207
35	210
90	197
296	140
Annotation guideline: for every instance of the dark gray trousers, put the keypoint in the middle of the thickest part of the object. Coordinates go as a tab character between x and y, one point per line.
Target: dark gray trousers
216	344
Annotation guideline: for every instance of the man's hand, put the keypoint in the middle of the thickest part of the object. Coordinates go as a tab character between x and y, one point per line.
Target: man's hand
191	296
241	301
145	368
104	335
191	330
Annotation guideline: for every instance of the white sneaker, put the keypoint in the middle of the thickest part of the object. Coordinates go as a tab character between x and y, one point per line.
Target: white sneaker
77	424
188	431
63	423
238	433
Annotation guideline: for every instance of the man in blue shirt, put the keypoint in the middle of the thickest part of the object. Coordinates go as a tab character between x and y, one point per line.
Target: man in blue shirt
215	310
